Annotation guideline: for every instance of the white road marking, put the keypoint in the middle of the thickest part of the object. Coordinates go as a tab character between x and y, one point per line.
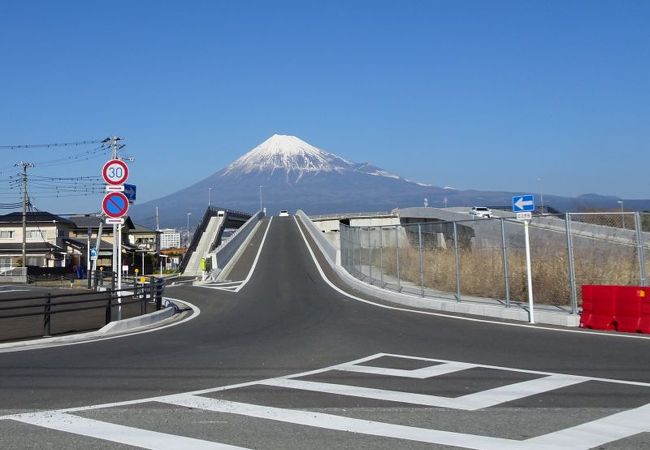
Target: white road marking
257	257
469	402
231	286
421	374
587	435
339	423
598	432
451	316
7	289
119	433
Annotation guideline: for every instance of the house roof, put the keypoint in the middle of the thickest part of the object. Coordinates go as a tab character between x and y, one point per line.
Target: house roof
33	217
142	229
85	221
30	247
81	245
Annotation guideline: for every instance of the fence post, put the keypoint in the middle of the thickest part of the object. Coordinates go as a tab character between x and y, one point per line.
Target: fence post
351	242
639	248
89	278
381	256
506	272
457	260
107	317
159	294
570	263
370	252
421	266
399	283
47	322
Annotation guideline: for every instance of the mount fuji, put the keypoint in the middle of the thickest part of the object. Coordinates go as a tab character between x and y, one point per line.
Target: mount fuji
296	175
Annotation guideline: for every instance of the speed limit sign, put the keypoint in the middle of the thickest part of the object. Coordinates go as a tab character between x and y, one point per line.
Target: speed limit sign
115	172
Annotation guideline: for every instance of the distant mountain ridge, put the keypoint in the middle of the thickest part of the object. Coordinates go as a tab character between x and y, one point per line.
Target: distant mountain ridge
294	174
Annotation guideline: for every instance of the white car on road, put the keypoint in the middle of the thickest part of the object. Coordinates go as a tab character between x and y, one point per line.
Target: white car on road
284	213
481	211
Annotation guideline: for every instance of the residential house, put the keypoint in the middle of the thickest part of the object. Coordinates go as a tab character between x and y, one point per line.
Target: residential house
85	229
45	233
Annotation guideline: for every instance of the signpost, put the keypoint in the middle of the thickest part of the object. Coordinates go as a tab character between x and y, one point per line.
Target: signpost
115	205
524	205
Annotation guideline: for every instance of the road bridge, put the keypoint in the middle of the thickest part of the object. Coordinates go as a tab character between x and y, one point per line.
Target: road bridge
292	359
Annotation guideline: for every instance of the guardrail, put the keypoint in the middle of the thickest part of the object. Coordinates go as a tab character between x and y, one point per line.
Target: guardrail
351	215
83	310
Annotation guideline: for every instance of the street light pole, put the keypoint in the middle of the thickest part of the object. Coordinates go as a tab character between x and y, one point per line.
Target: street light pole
261	198
620	202
541	194
188	228
209	196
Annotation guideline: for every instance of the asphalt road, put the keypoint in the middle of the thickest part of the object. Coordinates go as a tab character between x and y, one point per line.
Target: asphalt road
289	362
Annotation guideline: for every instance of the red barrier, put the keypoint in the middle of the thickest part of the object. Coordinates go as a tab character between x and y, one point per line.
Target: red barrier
621	308
598	307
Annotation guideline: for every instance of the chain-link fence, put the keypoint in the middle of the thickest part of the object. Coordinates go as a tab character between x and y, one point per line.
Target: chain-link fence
484	260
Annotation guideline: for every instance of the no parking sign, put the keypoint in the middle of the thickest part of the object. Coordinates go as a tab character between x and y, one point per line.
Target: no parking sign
115	205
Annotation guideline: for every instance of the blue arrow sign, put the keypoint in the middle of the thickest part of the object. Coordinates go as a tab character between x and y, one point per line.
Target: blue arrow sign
129	191
523	203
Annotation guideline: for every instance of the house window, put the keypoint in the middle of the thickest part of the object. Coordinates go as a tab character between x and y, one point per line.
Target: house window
35	234
7	234
35	261
5	261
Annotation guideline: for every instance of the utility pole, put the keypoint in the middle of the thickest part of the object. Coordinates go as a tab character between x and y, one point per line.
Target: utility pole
157	220
24	166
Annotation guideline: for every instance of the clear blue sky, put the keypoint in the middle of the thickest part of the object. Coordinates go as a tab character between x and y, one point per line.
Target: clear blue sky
484	95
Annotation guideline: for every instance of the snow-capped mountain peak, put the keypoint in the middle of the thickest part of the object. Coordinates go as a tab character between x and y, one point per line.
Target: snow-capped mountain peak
289	154
295	158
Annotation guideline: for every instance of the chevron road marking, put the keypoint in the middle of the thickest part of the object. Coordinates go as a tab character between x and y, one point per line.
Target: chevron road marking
236	286
470	402
591	434
230	286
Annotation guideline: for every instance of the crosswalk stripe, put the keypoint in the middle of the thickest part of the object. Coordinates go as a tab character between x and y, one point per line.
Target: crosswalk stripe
421	374
340	423
118	433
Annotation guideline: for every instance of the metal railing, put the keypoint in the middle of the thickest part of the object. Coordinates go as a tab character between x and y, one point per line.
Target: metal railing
484	259
13	274
82	310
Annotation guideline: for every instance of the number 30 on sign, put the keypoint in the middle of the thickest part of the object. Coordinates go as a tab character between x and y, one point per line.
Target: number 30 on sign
115	172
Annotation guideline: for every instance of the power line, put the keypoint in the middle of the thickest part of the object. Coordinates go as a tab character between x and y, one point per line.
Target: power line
58	144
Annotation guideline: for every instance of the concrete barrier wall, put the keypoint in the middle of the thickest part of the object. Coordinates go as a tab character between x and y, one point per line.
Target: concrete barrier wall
226	251
323	243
